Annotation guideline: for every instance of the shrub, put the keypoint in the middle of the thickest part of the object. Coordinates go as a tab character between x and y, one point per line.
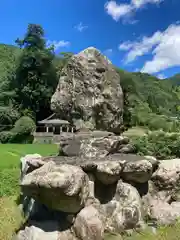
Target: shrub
23	129
159	144
6	136
25	125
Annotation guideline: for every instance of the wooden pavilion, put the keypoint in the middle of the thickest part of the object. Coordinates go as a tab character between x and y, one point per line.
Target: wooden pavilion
49	130
54	125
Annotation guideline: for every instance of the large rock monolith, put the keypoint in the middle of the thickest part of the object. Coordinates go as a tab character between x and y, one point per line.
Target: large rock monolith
89	93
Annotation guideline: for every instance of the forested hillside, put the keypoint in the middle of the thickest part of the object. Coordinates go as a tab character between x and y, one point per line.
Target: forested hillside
29	74
8	57
175	80
151	101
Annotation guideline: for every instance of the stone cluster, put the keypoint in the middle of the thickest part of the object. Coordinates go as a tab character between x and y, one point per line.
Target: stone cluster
95	190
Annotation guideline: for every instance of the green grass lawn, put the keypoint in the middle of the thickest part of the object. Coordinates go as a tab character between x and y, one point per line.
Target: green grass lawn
10	155
163	233
135	131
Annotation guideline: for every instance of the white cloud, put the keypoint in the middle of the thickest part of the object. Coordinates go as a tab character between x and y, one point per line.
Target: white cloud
137	49
80	27
57	44
161	76
140	3
117	11
167	52
164	46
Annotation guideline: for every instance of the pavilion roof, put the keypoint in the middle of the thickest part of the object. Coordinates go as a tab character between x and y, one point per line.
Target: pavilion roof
54	121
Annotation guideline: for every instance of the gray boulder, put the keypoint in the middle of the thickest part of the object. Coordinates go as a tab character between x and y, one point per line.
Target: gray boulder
167	176
138	171
30	162
89	93
45	230
88	224
102	146
69	145
60	187
162	202
163	213
93	144
108	172
124	210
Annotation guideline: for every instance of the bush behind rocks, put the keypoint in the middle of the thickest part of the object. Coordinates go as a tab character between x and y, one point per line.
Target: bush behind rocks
160	144
21	133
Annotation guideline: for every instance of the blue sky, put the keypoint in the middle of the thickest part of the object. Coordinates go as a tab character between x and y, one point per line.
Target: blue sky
137	35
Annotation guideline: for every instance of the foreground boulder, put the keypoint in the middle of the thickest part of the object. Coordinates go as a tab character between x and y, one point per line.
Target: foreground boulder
60	187
89	93
162	201
167	177
124	210
139	171
163	213
108	172
88	224
29	163
45	230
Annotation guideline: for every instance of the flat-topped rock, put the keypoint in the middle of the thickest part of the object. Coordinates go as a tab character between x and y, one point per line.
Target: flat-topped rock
93	144
78	161
60	187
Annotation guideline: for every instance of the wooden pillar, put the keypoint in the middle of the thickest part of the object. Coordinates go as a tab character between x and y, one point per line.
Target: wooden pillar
67	128
72	129
47	129
60	129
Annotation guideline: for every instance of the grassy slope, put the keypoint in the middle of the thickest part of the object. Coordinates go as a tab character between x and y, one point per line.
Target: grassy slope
10	216
9	163
164	233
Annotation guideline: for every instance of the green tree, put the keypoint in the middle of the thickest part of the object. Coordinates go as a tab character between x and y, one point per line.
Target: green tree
35	78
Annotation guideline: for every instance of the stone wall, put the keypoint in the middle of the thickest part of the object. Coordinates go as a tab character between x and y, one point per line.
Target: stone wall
43	137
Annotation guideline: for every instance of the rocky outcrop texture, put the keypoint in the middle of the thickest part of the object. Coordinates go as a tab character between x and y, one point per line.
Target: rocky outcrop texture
80	197
93	144
89	93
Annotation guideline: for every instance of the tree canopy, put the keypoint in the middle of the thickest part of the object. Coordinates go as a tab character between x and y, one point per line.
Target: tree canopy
35	76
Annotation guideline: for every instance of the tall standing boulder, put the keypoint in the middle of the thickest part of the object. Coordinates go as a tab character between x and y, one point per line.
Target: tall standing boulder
89	93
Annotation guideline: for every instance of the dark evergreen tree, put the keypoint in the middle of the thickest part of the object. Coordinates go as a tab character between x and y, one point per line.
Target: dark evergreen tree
35	79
